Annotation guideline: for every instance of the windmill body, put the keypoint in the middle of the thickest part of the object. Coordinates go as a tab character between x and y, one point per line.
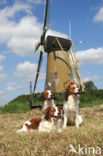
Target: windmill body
58	73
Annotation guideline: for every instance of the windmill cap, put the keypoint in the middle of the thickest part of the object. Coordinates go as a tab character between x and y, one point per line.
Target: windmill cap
52	44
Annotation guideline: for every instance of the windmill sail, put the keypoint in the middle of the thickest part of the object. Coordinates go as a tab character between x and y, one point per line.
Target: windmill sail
41	43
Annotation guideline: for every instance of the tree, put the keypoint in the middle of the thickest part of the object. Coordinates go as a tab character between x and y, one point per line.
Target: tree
90	86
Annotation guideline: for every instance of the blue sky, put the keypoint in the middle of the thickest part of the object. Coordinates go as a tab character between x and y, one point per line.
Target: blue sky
20	28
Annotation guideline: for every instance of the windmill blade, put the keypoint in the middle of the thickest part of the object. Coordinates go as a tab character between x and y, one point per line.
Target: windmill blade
38	69
41	41
37	46
46	14
43	36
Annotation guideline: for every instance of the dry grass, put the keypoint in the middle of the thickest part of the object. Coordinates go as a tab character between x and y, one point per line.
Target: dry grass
90	134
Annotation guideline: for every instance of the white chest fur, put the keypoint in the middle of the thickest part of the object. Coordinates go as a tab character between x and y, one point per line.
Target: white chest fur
48	126
71	104
48	103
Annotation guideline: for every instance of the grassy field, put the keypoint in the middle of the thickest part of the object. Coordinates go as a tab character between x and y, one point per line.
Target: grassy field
90	134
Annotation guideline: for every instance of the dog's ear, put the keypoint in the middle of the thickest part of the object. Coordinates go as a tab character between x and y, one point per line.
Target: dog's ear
78	86
53	95
66	92
51	91
46	112
71	83
61	110
41	97
67	88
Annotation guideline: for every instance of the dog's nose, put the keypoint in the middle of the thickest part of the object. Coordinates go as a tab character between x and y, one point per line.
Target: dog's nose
52	96
59	113
79	89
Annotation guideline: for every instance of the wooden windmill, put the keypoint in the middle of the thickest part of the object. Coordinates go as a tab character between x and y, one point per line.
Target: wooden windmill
59	70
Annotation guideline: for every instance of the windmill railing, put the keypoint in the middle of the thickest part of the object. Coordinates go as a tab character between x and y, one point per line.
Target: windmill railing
40	106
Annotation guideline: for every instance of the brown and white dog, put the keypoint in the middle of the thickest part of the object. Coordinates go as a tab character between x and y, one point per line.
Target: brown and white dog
71	106
48	99
50	121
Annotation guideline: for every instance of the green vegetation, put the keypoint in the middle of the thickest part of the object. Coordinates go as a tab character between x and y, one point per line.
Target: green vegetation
90	98
21	103
18	105
89	86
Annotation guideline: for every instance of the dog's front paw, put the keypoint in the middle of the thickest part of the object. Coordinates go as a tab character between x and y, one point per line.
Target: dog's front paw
64	126
59	131
77	126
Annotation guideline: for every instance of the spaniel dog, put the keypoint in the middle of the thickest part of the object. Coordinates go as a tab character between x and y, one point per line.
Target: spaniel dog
48	99
71	106
50	121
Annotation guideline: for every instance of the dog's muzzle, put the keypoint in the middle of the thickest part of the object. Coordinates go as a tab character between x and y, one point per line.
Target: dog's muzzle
58	116
77	94
52	97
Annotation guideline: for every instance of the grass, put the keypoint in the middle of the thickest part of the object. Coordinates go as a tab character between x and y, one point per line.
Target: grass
90	134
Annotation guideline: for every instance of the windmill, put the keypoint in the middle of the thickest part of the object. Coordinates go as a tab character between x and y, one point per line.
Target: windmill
59	70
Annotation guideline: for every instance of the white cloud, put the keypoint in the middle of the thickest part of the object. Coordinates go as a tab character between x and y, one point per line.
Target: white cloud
20	36
1	91
1	68
42	76
9	12
35	1
8	26
26	33
90	56
99	16
3	77
92	78
25	70
12	88
19	87
55	33
2	58
11	83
